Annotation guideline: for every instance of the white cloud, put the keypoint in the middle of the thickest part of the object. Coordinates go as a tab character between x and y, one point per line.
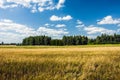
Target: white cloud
9	37
56	18
94	30
92	36
48	25
68	17
51	32
9	25
6	20
60	4
35	5
34	9
109	20
60	25
80	24
14	32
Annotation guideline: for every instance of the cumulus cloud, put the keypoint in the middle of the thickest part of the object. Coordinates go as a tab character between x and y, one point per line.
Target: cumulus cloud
9	25
14	32
56	18
94	30
109	20
35	5
51	32
9	37
60	25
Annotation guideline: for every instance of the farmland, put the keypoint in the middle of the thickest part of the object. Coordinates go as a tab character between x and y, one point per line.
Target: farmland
91	62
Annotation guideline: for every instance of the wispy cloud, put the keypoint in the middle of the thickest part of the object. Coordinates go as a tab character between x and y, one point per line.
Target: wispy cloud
80	24
60	4
56	18
60	25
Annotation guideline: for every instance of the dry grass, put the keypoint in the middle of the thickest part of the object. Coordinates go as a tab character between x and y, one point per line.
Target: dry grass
60	63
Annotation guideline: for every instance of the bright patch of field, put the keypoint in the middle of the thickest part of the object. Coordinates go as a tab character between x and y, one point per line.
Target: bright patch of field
98	62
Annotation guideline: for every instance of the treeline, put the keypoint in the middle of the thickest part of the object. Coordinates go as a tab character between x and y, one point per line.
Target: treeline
106	39
9	44
71	40
45	40
37	40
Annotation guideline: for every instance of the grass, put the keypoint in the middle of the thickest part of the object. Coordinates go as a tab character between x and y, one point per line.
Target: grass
92	62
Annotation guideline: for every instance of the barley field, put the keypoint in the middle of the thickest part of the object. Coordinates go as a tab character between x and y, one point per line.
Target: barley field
92	62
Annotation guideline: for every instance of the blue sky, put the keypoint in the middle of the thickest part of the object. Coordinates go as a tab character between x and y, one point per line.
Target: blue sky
55	18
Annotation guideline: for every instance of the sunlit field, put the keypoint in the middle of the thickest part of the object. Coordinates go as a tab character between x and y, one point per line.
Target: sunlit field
91	62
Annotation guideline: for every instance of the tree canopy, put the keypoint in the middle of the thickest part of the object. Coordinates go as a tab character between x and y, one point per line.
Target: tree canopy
72	40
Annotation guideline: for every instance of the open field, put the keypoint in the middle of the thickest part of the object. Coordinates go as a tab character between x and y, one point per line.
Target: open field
97	62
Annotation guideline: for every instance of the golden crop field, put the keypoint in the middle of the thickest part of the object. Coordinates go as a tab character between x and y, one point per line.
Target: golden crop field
60	63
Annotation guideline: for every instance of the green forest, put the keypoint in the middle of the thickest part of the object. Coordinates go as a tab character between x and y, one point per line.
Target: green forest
72	40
